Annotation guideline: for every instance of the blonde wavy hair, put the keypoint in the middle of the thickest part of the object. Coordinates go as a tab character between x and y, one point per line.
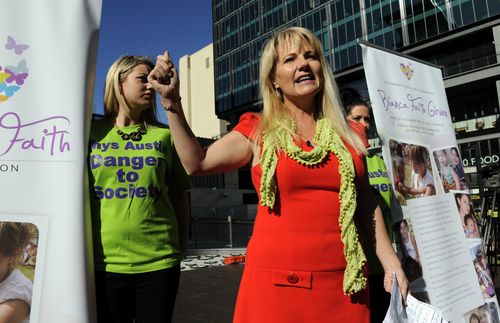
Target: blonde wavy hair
113	96
275	113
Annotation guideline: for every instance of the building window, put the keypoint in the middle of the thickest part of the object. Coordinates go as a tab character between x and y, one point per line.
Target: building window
207	62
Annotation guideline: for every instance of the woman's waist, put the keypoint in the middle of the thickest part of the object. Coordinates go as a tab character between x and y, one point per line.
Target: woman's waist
321	252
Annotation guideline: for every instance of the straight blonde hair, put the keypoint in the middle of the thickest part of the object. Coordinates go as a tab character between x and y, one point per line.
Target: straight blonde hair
113	96
328	103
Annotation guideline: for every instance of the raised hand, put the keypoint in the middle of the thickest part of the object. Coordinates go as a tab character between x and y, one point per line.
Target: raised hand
165	80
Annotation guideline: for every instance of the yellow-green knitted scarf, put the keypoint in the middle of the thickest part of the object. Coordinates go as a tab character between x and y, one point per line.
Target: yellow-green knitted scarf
326	140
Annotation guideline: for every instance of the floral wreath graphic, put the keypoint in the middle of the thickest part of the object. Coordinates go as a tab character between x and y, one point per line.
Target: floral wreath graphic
12	77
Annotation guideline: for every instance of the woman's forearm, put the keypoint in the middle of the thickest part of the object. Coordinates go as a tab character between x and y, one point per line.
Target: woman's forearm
383	246
186	144
387	256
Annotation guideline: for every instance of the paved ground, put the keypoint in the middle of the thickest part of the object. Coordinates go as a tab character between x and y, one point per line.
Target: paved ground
207	290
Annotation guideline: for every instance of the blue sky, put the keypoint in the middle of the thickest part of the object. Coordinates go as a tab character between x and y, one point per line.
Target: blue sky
149	27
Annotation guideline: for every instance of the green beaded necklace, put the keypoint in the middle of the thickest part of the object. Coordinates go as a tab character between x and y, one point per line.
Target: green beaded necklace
326	140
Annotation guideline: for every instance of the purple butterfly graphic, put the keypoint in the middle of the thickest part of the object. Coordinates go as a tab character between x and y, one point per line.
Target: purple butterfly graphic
19	78
18	48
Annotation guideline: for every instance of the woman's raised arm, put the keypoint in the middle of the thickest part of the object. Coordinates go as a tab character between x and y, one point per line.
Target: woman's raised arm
230	152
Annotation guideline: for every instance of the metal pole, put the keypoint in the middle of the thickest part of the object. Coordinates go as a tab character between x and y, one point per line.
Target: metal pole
230	231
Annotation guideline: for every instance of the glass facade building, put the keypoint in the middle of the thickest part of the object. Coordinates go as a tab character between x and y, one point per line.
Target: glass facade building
426	29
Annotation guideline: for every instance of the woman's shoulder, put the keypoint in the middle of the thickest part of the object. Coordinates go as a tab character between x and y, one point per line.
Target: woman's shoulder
248	124
250	117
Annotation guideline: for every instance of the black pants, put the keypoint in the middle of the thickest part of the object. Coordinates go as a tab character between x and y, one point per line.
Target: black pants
379	298
147	297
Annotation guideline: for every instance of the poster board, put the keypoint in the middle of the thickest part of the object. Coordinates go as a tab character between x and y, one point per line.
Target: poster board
48	52
437	237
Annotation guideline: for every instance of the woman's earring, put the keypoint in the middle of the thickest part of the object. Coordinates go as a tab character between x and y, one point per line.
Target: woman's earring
279	94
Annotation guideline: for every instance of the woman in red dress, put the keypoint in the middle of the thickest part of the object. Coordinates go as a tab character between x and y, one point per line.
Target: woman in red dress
305	262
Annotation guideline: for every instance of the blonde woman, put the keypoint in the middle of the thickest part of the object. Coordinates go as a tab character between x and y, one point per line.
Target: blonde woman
305	262
139	202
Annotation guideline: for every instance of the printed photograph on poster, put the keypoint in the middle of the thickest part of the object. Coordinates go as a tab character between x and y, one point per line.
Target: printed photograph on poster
486	313
482	271
412	171
409	255
467	217
448	170
458	166
20	246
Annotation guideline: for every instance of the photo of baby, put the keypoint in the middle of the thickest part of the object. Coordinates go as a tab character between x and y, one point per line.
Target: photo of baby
470	226
447	174
17	241
411	171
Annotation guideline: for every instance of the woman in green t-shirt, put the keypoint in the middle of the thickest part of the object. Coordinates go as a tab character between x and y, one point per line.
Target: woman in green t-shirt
138	201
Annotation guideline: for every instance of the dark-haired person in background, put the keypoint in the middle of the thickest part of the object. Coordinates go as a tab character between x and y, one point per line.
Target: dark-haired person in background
357	109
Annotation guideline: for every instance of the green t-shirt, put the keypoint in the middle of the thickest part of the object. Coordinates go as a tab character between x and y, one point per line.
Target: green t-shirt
134	226
381	184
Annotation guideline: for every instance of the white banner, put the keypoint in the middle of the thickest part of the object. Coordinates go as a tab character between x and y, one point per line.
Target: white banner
47	67
438	237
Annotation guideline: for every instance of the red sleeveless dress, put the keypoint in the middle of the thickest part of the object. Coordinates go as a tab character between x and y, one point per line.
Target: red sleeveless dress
295	263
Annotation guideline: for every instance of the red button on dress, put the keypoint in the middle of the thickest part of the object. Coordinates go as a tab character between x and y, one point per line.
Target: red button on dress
292	278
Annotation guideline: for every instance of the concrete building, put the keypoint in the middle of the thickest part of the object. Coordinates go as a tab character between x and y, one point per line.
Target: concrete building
219	214
196	72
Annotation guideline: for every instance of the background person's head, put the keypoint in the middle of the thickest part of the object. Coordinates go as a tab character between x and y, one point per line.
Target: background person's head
127	88
356	109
